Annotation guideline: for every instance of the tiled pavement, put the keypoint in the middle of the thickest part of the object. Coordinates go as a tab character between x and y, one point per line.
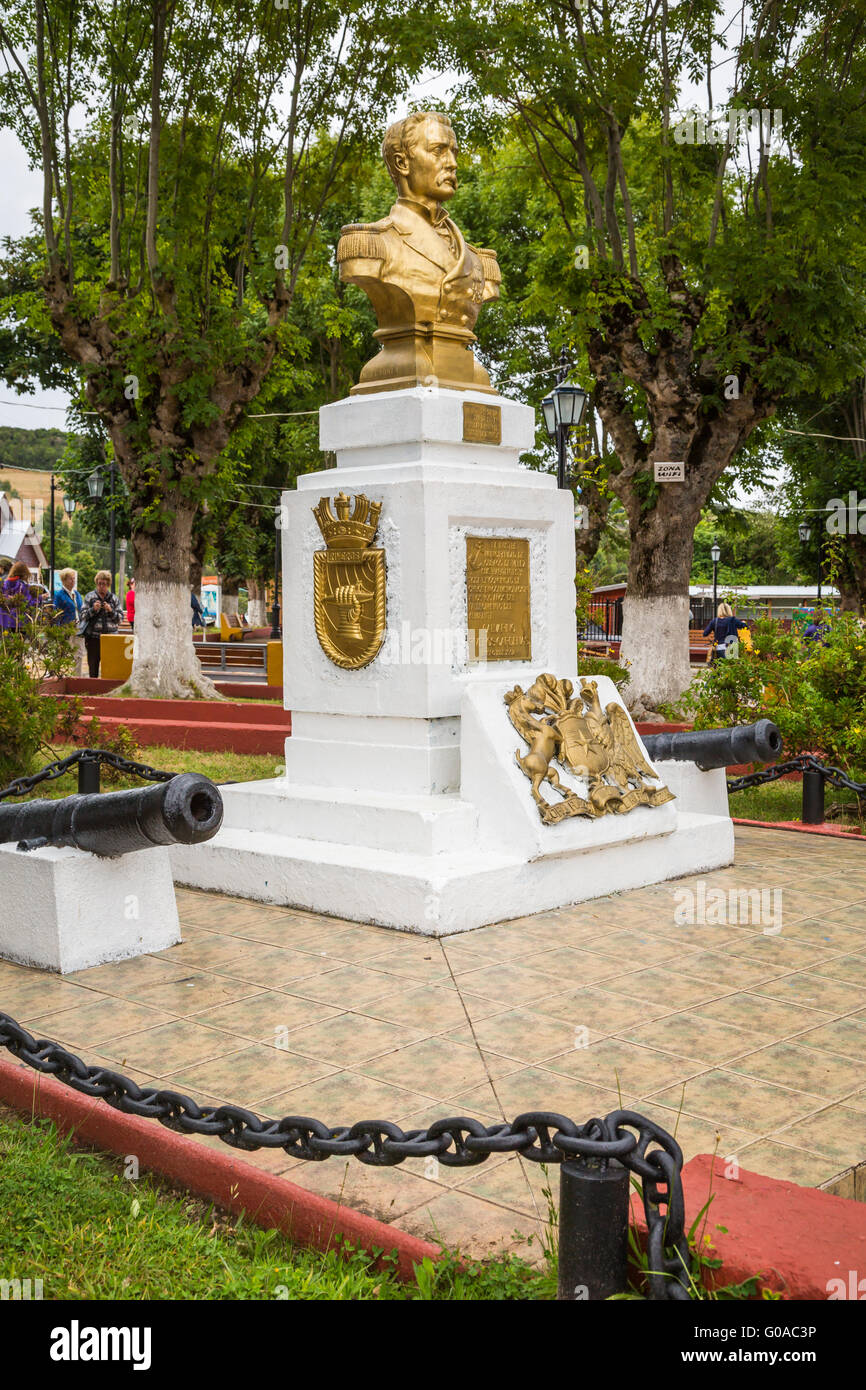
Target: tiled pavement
746	1042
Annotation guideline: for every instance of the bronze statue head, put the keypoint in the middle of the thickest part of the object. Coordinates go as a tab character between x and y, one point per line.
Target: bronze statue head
421	154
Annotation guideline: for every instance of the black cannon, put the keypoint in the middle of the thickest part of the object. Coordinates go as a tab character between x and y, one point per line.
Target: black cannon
745	743
186	810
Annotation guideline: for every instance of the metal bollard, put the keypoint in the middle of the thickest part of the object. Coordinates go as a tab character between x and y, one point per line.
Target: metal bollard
593	1230
813	797
88	777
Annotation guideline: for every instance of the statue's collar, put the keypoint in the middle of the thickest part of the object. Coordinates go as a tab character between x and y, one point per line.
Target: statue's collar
435	219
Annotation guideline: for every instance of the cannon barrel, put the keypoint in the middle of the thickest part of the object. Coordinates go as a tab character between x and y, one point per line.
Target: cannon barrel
745	743
186	810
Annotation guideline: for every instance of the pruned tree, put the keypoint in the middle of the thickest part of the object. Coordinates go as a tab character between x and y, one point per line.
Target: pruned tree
706	265
188	151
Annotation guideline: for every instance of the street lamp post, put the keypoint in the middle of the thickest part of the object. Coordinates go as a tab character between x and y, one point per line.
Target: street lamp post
804	531
51	548
96	487
276	632
563	409
716	555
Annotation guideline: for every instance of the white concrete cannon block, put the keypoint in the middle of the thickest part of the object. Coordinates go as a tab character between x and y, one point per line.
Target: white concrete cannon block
66	910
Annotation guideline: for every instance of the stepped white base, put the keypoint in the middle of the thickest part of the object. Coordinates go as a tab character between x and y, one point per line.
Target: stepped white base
439	864
443	894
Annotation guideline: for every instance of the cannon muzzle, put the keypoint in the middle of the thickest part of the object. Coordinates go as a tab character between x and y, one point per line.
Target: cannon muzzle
186	811
746	743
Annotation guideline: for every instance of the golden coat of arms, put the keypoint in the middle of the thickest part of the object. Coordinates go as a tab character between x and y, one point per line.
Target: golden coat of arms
595	744
349	582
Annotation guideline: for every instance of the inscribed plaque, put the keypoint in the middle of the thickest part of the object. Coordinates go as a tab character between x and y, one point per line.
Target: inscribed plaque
482	424
497	598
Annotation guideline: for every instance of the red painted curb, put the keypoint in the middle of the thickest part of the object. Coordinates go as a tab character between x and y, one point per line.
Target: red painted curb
799	1239
236	1186
825	829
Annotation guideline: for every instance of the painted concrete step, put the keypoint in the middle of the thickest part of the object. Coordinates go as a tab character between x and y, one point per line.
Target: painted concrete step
212	737
190	711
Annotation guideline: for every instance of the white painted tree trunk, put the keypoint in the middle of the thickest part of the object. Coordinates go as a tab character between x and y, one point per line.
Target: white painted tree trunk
655	643
256	615
164	663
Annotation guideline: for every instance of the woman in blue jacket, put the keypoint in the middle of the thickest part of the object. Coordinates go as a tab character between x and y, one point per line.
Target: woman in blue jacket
69	603
723	627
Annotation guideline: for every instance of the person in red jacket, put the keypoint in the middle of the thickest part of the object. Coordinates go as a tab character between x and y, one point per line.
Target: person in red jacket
130	603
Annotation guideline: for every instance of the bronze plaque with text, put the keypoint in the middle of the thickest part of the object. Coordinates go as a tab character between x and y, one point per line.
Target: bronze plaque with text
497	598
482	424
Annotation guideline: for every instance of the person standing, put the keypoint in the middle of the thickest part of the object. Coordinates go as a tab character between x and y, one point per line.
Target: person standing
69	605
724	627
15	587
197	610
130	604
101	615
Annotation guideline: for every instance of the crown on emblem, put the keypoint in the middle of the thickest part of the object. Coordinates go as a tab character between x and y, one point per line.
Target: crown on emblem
345	531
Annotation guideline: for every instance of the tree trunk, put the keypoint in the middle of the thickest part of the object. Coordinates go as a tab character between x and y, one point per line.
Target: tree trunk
256	615
164	664
655	628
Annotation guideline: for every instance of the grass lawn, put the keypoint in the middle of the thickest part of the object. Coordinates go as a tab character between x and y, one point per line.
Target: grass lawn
70	1217
784	801
219	767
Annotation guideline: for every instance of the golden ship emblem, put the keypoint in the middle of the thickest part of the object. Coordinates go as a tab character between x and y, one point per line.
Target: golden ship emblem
349	581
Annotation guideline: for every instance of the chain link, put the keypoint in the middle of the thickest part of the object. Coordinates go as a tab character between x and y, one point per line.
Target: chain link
542	1136
50	773
806	762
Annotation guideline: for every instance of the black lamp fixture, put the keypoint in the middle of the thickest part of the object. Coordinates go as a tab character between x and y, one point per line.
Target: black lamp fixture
96	488
804	531
69	504
715	555
96	483
563	409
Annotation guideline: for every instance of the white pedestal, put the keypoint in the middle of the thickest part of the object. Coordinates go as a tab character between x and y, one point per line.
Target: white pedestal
66	910
401	802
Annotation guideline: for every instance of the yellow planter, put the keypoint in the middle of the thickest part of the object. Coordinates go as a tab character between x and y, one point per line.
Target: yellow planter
115	660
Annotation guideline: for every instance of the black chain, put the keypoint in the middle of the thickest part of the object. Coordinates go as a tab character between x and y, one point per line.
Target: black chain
52	771
806	762
541	1136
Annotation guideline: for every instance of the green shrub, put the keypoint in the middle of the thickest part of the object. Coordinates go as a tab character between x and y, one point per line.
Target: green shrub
28	720
814	691
593	665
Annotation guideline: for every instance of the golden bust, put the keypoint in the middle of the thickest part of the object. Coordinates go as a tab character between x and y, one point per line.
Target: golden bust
426	283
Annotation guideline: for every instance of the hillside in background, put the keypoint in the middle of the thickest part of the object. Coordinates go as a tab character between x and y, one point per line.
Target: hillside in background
21	448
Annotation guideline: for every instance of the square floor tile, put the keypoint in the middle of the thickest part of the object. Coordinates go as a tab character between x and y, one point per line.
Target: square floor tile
522	1034
192	993
348	987
825	1074
815	992
620	1065
780	1161
690	1035
91	1023
437	1067
756	1015
170	1046
431	1008
248	1077
351	1039
839	1131
734	1099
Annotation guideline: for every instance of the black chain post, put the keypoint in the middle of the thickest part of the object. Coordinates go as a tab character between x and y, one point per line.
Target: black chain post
813	796
593	1230
88	776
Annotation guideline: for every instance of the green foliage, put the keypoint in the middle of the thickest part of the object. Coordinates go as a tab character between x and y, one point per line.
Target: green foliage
591	664
815	692
20	448
27	719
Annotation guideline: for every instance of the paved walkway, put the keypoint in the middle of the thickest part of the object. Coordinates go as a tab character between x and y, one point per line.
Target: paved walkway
744	1039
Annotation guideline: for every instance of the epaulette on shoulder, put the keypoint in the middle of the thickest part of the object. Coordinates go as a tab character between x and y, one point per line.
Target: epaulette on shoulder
490	265
360	240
